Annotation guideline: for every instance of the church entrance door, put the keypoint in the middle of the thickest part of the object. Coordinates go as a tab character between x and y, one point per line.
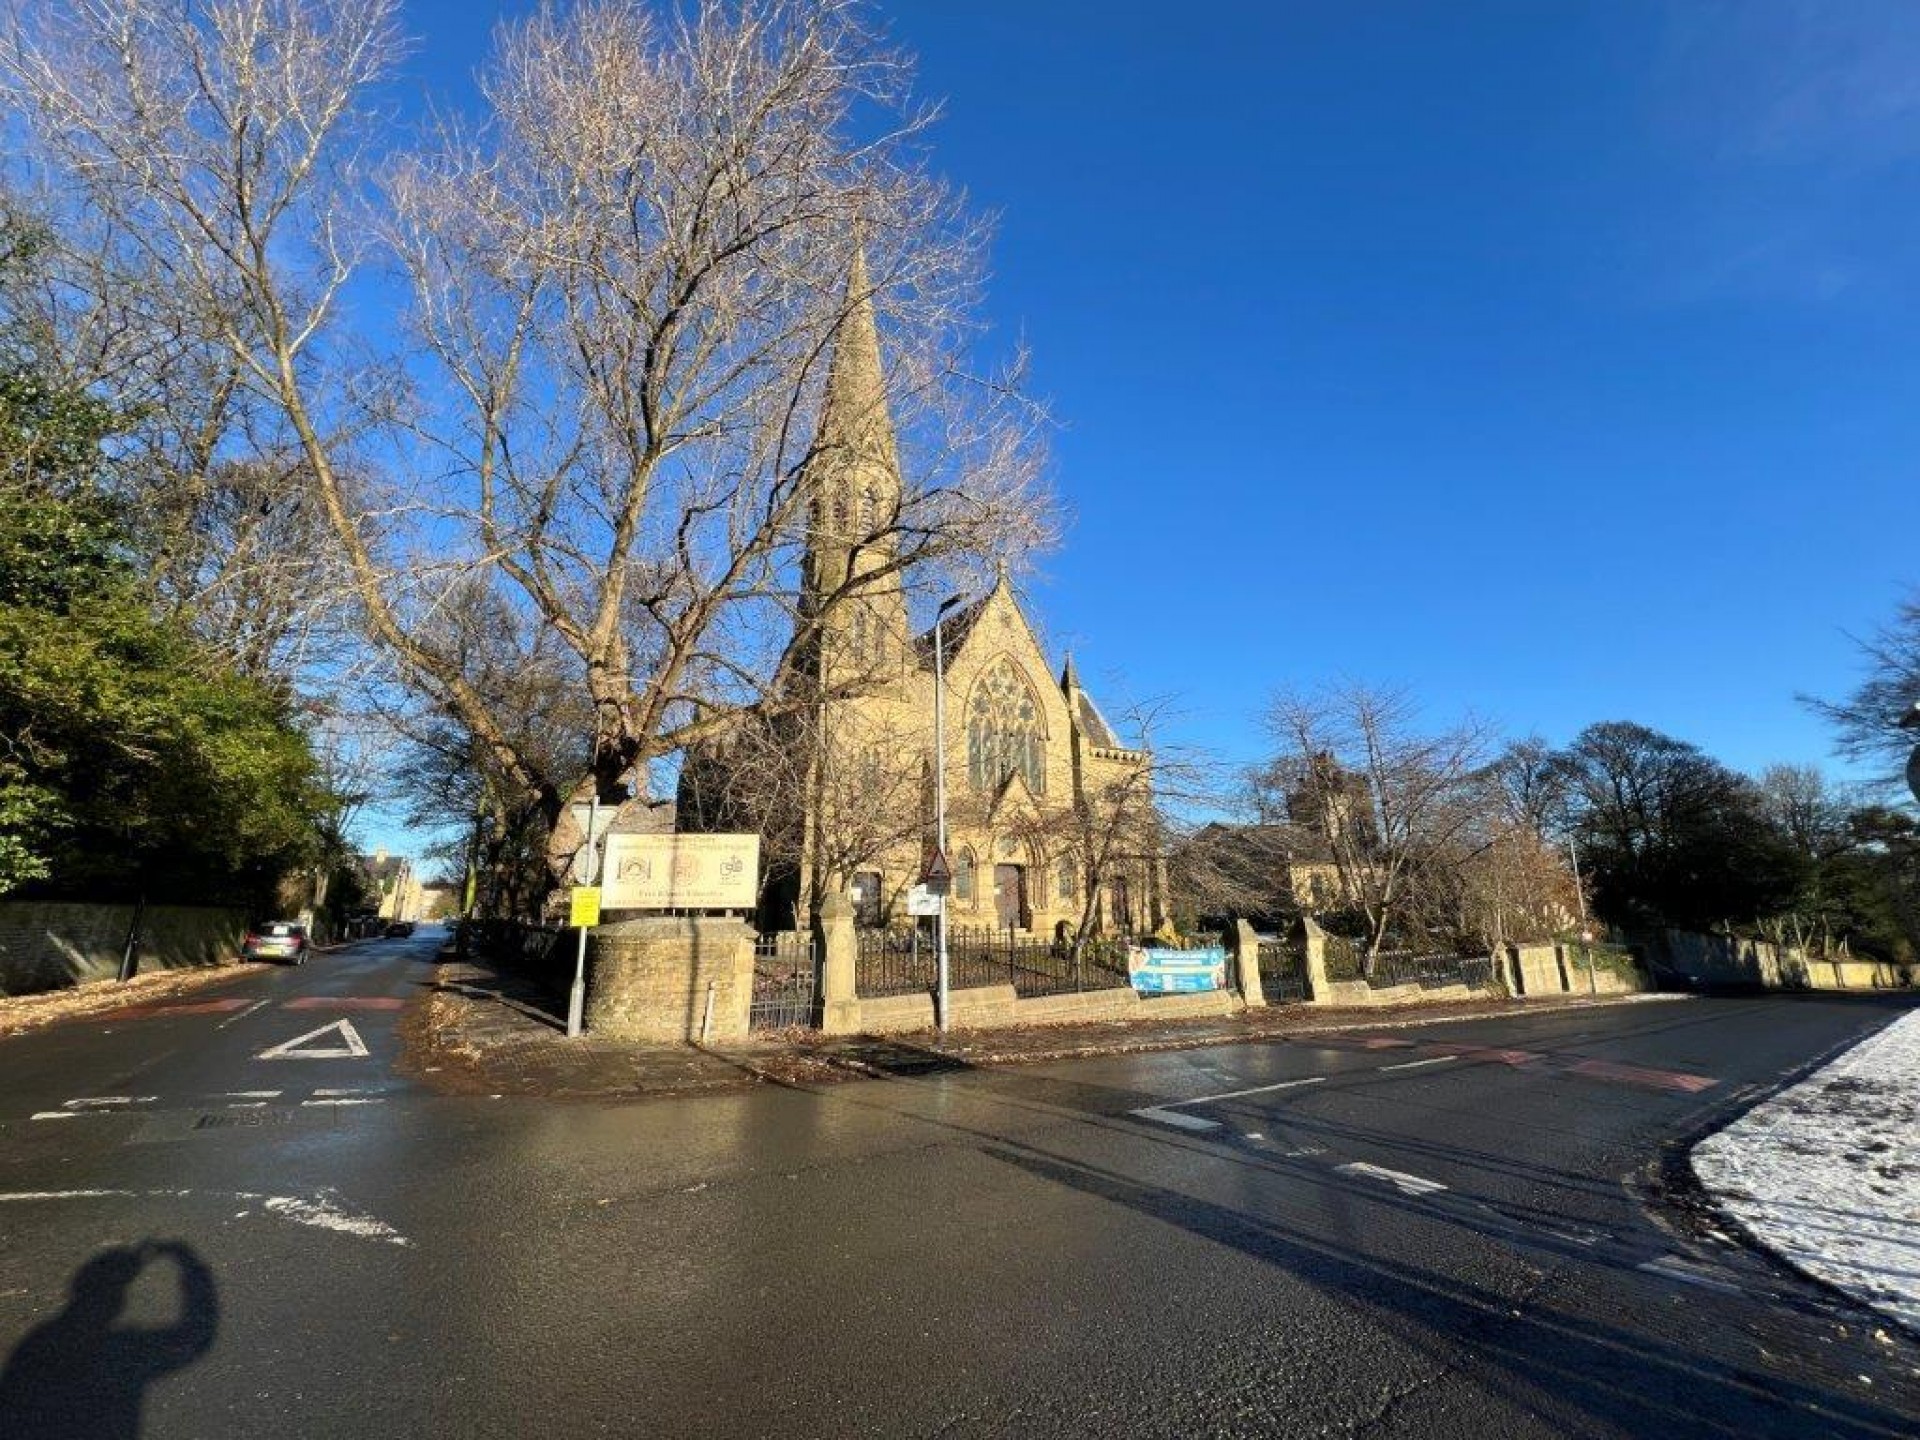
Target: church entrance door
1009	896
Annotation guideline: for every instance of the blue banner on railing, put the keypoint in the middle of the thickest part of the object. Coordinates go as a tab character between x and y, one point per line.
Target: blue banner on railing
1175	972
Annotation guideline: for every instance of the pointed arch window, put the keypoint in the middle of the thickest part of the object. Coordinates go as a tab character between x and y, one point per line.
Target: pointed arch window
963	872
1004	732
869	507
1067	878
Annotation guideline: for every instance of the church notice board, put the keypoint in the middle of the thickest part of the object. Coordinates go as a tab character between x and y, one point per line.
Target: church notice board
680	872
1177	972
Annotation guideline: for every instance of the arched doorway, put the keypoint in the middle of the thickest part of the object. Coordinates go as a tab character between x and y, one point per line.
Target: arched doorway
1010	896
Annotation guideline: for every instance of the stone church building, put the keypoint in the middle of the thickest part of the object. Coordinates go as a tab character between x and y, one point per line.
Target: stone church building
1045	805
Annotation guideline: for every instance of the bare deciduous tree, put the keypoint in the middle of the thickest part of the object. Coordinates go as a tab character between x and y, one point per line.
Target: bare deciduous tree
1394	800
627	280
1868	720
844	789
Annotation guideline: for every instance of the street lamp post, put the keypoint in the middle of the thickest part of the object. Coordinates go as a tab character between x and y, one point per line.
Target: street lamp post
940	785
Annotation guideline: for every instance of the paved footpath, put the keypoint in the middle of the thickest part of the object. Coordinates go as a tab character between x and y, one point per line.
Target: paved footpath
250	1220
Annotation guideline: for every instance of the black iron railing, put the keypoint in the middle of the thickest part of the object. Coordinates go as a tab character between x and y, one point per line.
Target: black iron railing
783	985
895	962
1429	972
1283	971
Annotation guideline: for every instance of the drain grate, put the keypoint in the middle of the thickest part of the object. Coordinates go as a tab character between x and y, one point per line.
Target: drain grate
244	1120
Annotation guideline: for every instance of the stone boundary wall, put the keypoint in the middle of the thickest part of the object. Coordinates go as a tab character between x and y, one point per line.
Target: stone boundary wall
49	945
652	980
1527	971
1733	961
999	1005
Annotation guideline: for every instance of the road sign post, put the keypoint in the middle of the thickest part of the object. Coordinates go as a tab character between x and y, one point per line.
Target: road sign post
577	996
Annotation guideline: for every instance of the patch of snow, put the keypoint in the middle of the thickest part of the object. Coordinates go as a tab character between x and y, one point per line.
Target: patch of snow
1827	1173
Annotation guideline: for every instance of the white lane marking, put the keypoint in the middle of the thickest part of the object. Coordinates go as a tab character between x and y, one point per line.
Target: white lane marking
106	1102
352	1047
1236	1094
252	1094
1674	1267
1406	1184
357	1100
246	1105
1179	1122
1255	1135
322	1211
1416	1064
1577	1237
242	1014
57	1114
340	1090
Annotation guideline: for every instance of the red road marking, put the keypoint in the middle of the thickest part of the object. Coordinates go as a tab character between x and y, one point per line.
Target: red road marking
1636	1075
194	1007
344	1002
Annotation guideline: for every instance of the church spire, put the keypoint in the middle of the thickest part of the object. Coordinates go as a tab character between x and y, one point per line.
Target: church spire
853	475
854	418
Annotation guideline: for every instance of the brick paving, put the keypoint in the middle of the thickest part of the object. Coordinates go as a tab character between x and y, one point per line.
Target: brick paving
483	1030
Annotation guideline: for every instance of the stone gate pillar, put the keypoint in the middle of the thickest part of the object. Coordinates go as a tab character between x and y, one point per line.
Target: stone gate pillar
1246	954
836	951
1313	943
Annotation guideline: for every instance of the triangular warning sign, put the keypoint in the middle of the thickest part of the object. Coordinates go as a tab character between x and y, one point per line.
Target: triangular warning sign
936	869
301	1047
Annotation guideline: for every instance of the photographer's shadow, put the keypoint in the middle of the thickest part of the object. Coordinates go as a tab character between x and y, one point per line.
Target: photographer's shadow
81	1375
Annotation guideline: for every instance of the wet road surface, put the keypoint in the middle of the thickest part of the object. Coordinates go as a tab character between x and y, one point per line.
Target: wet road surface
231	1215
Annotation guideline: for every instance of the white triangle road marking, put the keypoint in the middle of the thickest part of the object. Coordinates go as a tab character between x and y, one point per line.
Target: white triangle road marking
301	1046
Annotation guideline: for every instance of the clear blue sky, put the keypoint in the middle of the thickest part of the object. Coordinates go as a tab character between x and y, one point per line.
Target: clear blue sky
1556	360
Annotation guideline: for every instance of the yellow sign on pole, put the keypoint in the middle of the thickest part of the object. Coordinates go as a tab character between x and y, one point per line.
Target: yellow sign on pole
584	911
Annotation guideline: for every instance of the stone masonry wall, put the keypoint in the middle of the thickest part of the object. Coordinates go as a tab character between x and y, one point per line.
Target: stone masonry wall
48	945
648	979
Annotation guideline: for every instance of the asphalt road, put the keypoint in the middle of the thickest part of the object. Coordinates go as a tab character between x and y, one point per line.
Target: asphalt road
1441	1231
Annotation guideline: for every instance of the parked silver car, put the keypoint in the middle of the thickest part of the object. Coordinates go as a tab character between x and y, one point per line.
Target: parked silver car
284	940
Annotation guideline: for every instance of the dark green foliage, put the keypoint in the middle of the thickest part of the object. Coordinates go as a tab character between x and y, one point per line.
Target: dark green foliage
132	760
1671	836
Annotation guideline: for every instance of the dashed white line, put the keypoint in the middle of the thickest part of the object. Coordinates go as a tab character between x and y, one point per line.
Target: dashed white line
246	1105
56	1114
1416	1064
106	1102
242	1014
344	1090
1179	1122
356	1100
322	1210
1674	1267
252	1094
1237	1094
1406	1184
